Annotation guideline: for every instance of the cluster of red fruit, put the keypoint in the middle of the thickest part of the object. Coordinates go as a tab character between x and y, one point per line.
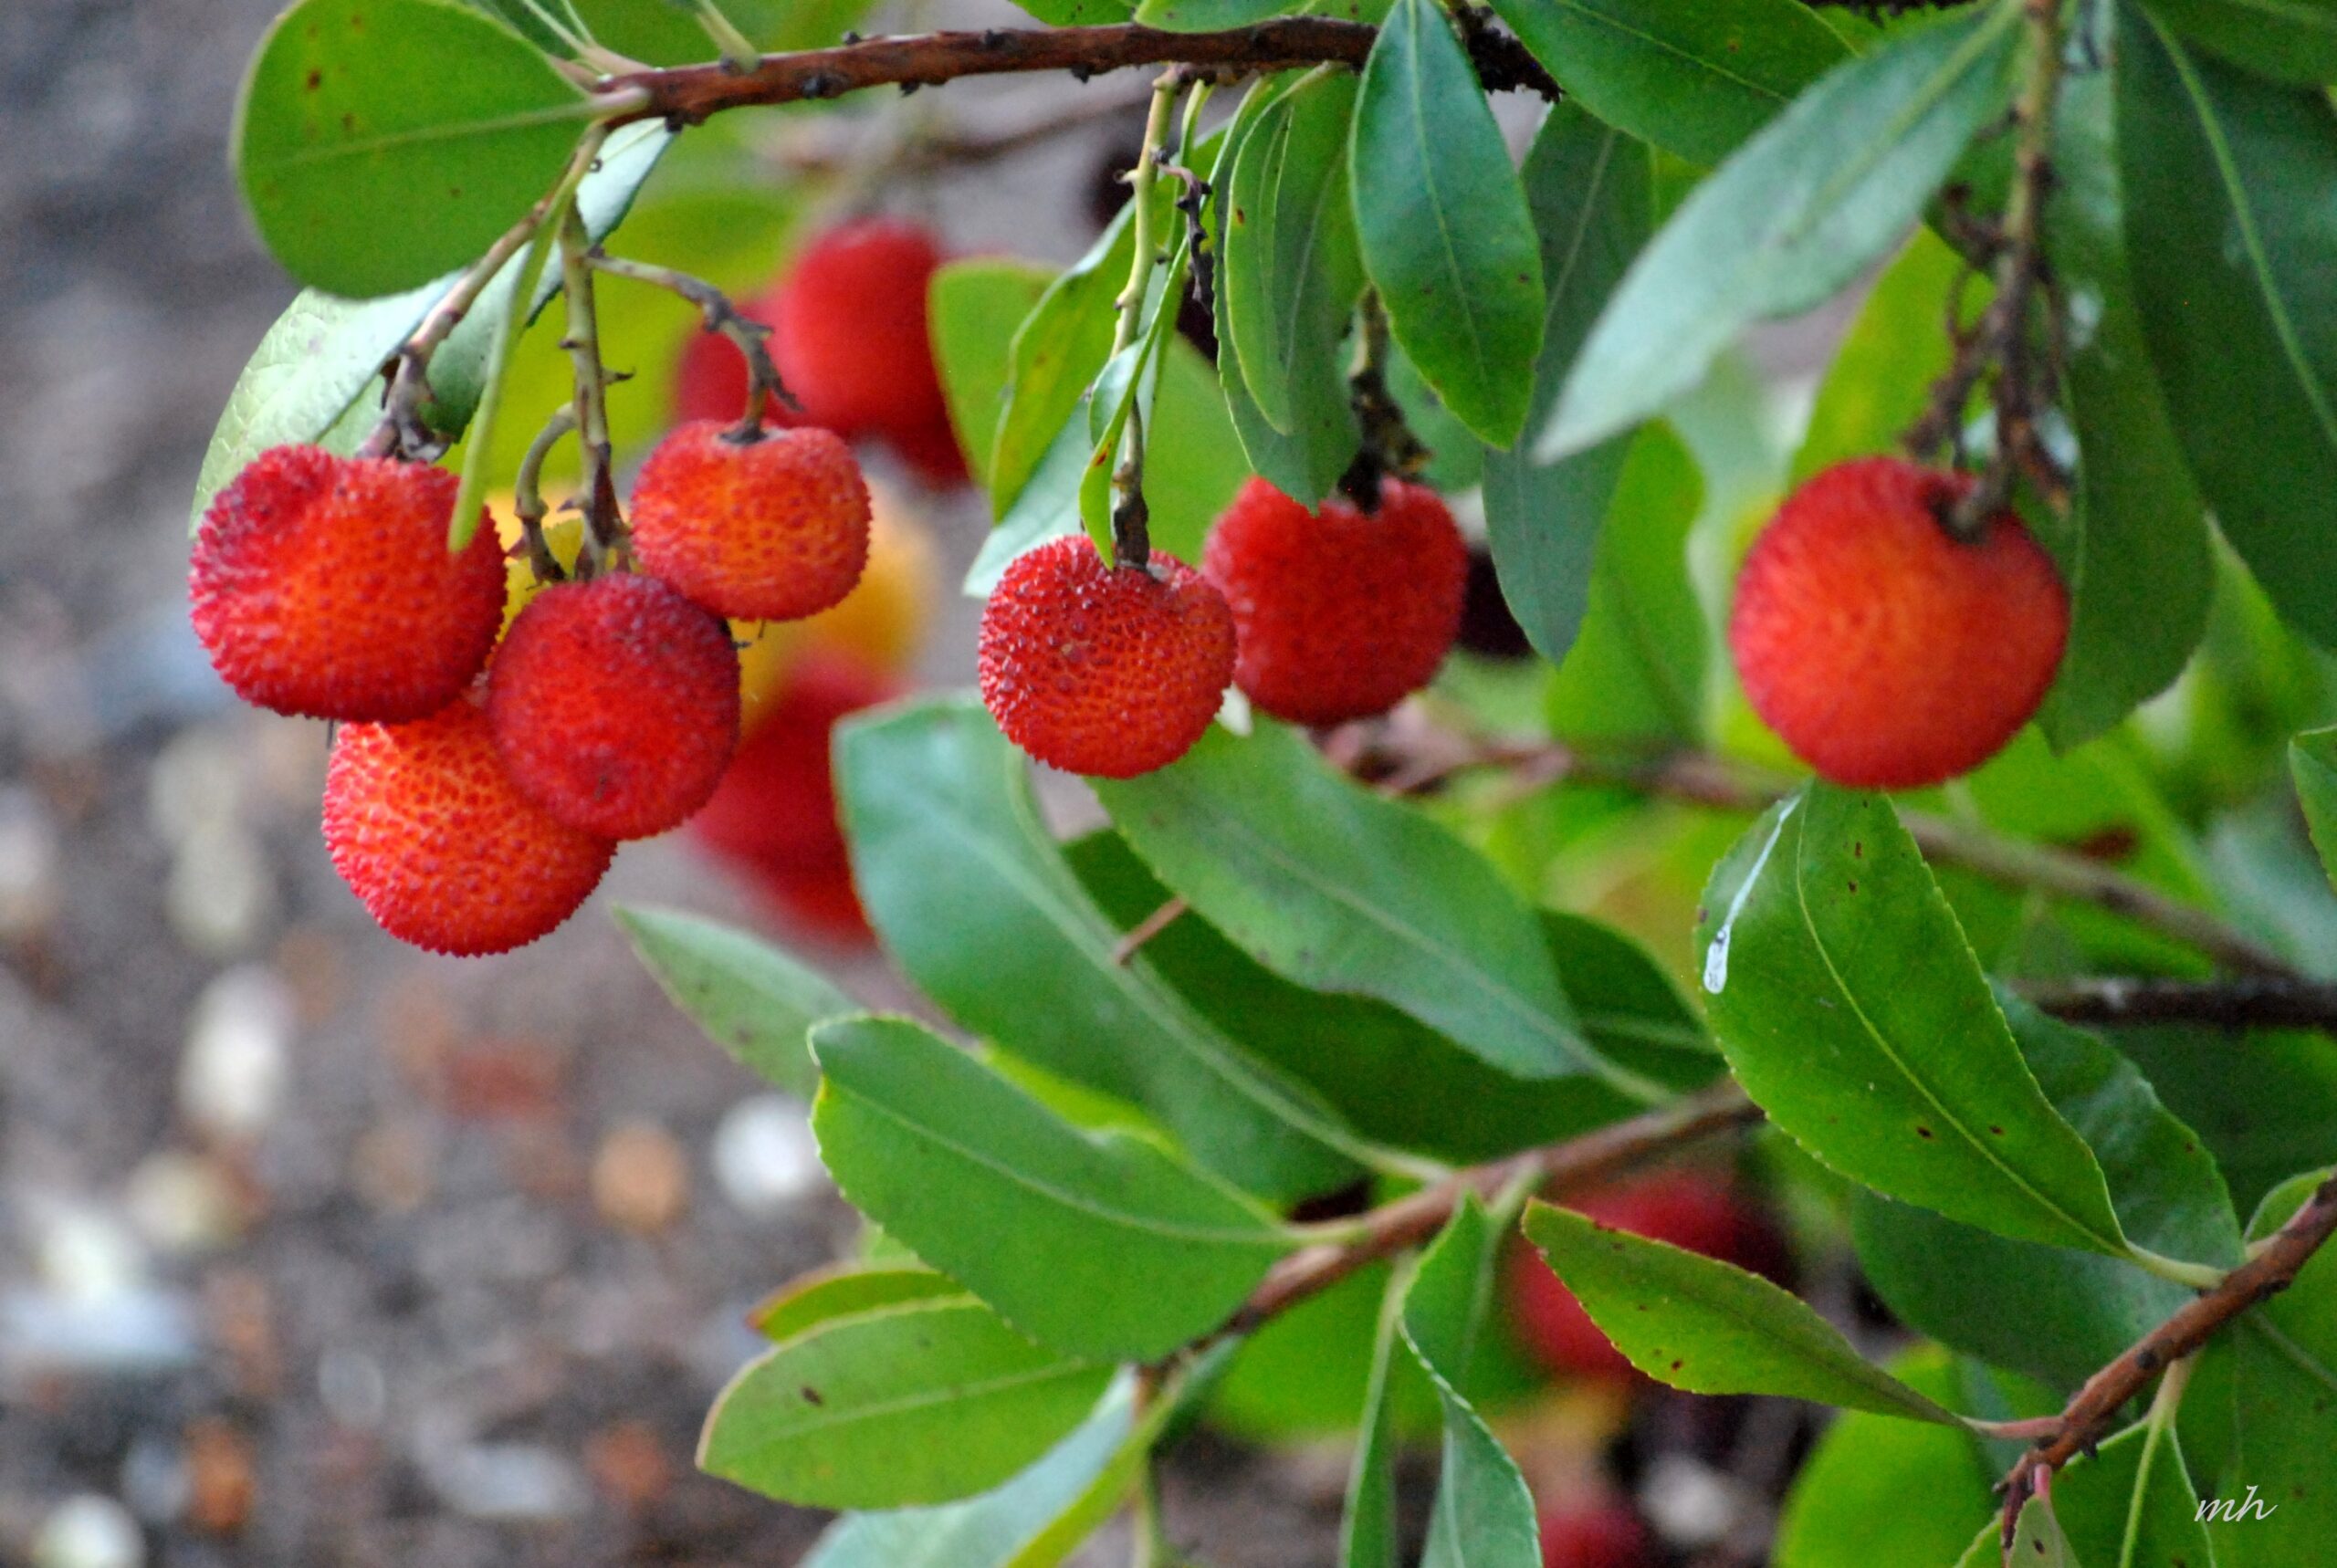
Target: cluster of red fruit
472	817
850	337
1318	617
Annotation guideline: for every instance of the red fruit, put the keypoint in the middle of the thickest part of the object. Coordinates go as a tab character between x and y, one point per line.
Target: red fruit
615	704
850	339
818	900
776	806
1101	669
774	529
932	451
710	382
433	837
1340	615
1686	1209
1885	652
322	586
1599	1536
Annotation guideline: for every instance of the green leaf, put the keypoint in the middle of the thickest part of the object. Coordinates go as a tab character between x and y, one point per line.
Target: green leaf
2228	237
1484	1515
2038	1309
991	1530
1392	1078
1693	77
1902	1077
665	33
1289	268
847	1290
317	362
1368	1536
1710	1327
2137	564
974	900
752	999
2038	1540
2278	1116
2288	40
918	1403
1445	233
1636	671
1794	215
2312	763
1590	190
1882	373
1101	1246
1881	1491
381	143
1207	16
1331	886
975	304
2132	1502
1193	459
1056	352
1077	13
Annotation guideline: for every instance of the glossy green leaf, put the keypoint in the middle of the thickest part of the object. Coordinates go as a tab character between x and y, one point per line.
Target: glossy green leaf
322	355
752	999
1484	1515
1445	233
1098	1245
976	304
1904	1077
1882	373
2277	1117
1590	190
1193	459
1367	1526
1331	886
1391	1077
2136	561
2229	235
846	1290
381	143
919	1403
993	1530
1881	1490
1056	352
1288	266
1710	1327
2039	1310
2312	763
973	899
2289	40
1794	215
2131	1504
1077	13
1693	77
1636	671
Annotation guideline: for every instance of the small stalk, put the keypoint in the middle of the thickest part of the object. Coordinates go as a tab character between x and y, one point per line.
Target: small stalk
721	315
740	54
527	496
603	526
1131	533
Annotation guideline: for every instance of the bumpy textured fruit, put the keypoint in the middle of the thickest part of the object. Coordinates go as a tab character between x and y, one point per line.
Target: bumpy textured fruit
425	826
1104	671
615	704
322	586
1885	652
772	529
1340	615
1687	1209
849	335
1595	1535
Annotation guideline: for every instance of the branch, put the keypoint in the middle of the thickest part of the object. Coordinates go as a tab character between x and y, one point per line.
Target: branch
1413	1218
2271	1270
688	94
2252	1002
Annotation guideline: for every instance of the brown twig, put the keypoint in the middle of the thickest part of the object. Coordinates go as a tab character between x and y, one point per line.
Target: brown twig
2089	1414
1416	1216
2249	1003
688	94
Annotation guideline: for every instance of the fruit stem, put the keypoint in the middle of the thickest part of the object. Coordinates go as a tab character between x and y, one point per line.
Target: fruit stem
1389	445
528	497
740	54
603	526
1131	536
721	315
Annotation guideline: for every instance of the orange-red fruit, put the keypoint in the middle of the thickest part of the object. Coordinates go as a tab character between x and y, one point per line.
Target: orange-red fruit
1595	1535
1105	671
772	529
425	826
615	704
1340	615
850	335
1687	1209
322	586
1884	652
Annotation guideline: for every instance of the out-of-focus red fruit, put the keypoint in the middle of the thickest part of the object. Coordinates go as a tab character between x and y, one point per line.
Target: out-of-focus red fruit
777	802
322	586
1691	1210
427	829
1103	669
932	453
816	901
615	704
774	529
1886	653
1595	1535
850	339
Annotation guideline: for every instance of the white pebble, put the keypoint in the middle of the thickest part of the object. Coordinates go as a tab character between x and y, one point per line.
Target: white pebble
89	1532
765	1157
233	1077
